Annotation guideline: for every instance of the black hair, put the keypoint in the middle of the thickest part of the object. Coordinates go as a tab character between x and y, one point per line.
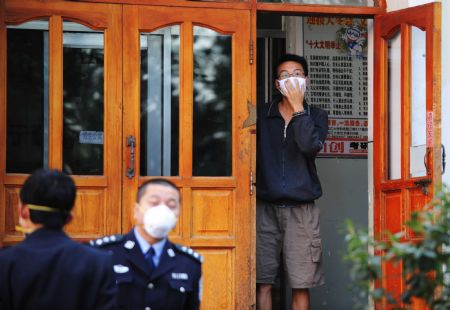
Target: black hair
50	188
157	181
296	58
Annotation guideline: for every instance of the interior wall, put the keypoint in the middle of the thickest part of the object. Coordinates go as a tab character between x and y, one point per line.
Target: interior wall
345	196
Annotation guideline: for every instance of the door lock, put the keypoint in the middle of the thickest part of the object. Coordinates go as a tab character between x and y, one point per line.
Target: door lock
423	183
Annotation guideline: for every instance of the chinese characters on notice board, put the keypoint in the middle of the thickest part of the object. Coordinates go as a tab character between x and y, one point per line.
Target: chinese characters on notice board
336	50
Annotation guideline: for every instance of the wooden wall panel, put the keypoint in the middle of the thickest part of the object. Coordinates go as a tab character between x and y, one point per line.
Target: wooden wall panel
89	212
392	281
416	201
217	291
12	213
391	212
212	211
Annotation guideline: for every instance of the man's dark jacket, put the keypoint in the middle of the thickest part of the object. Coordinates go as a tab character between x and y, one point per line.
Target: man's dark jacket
286	169
48	270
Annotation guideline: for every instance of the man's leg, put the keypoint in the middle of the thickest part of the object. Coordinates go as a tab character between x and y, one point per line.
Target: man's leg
264	297
300	299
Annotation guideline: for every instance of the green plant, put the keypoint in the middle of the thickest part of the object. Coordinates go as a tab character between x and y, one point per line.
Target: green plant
425	262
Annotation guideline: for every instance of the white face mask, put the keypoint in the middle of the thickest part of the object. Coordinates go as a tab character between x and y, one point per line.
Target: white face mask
159	221
293	80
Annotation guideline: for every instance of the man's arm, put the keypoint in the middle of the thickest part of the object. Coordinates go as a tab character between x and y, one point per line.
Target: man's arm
310	131
193	300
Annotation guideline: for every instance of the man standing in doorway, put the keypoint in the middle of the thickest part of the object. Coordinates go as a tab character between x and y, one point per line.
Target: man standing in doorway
290	133
152	272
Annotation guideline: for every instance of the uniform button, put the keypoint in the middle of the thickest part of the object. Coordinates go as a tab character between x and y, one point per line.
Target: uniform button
150	286
182	290
147	308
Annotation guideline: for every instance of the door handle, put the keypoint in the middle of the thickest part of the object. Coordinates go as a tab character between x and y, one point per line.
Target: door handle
131	143
423	183
443	159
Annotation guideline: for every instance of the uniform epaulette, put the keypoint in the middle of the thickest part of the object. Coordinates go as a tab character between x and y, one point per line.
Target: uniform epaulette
106	240
190	252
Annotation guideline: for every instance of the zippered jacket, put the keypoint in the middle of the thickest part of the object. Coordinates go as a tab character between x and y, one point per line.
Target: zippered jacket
286	169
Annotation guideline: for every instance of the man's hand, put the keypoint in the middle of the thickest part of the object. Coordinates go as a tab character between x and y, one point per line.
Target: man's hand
295	95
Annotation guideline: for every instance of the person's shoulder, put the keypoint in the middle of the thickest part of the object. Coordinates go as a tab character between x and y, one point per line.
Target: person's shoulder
107	241
188	253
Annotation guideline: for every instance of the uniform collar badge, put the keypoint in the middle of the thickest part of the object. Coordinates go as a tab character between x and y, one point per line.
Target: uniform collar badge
171	253
129	244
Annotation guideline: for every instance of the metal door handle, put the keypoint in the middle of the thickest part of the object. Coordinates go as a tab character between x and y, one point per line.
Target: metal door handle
131	142
443	159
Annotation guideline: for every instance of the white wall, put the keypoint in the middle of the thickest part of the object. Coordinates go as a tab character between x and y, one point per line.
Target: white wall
394	5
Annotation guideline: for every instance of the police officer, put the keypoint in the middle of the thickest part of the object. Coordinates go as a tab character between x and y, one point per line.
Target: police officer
48	270
152	272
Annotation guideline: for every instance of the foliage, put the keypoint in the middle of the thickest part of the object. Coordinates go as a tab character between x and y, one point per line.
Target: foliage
425	261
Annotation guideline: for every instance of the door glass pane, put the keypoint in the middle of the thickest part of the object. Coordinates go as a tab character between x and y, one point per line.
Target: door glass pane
27	97
418	103
369	3
394	106
83	68
160	91
212	104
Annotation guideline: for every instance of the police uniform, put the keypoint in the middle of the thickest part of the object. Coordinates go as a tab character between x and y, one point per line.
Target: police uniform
174	284
48	270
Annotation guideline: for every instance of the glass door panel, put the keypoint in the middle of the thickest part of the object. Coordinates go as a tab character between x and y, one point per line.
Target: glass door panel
394	107
212	134
83	100
159	102
27	97
417	167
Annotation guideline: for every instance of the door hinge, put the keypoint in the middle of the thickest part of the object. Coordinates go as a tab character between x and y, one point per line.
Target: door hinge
251	52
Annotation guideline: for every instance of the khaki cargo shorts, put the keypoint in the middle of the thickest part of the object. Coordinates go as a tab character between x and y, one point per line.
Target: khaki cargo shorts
295	232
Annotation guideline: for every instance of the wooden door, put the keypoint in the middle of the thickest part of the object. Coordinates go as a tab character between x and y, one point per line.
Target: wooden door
186	88
407	117
60	107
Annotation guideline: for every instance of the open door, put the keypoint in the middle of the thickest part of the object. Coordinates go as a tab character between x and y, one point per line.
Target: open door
407	117
186	88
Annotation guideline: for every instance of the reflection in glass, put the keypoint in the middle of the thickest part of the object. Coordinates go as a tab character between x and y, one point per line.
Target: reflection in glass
83	69
369	3
212	104
27	97
160	89
394	106
418	102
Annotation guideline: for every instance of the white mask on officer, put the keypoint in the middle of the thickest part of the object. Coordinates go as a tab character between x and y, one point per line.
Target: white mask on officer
293	80
159	221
